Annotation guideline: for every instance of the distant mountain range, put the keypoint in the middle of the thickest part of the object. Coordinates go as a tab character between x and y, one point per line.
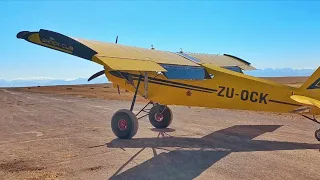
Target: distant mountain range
51	82
269	72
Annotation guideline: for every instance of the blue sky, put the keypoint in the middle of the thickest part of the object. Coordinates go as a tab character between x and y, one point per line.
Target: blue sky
267	34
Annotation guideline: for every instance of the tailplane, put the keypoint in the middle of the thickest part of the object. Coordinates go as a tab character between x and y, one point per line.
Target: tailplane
306	100
313	83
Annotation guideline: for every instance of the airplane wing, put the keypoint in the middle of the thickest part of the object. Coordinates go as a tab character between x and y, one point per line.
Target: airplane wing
114	56
126	58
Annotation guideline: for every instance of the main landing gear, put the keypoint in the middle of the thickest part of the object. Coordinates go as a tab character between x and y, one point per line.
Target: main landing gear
160	116
124	122
317	132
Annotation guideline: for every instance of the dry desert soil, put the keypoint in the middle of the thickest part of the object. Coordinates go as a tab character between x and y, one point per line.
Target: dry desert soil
63	132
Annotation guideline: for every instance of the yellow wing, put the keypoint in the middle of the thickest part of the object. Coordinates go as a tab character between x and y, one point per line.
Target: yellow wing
306	100
114	56
121	57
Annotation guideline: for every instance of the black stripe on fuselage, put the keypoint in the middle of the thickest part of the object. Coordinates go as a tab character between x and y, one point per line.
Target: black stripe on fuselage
177	83
281	102
172	85
166	82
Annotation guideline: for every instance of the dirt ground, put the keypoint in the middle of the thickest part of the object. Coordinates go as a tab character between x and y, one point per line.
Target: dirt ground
102	91
66	135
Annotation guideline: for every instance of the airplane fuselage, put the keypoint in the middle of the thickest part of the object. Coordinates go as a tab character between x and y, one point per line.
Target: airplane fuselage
226	89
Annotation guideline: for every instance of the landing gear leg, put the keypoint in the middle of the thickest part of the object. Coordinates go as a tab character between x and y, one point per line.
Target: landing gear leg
124	123
144	110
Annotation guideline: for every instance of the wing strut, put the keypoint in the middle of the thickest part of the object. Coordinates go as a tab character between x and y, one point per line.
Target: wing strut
129	81
135	94
146	85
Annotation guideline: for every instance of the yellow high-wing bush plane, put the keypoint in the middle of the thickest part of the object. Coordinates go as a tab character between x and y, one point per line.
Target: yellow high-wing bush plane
178	78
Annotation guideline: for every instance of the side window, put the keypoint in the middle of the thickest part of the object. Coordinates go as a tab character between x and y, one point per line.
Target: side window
184	72
234	68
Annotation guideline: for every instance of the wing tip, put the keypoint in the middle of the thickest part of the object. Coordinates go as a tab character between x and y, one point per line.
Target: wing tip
239	59
23	34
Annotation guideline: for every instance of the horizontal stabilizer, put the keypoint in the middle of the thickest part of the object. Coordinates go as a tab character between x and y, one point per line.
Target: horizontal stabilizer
306	100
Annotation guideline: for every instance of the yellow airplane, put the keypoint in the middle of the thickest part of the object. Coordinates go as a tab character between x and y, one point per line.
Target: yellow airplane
179	78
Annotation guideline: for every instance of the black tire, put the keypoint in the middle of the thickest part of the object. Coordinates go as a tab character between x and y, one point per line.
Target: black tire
317	134
124	124
163	122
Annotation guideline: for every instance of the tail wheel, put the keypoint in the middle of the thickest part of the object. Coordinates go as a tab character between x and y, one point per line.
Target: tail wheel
317	134
160	116
124	124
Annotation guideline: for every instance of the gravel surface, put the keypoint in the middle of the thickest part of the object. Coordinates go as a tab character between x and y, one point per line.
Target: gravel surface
45	136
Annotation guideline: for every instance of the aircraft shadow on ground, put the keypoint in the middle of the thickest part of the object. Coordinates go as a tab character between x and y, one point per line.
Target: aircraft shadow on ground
186	163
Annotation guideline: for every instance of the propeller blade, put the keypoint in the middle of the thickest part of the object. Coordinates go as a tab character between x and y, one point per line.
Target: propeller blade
96	75
117	40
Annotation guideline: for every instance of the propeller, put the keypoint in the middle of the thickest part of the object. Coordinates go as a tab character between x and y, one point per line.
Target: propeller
102	72
96	75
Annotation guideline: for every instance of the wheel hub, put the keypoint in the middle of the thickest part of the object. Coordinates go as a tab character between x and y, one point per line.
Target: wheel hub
122	124
158	117
318	134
